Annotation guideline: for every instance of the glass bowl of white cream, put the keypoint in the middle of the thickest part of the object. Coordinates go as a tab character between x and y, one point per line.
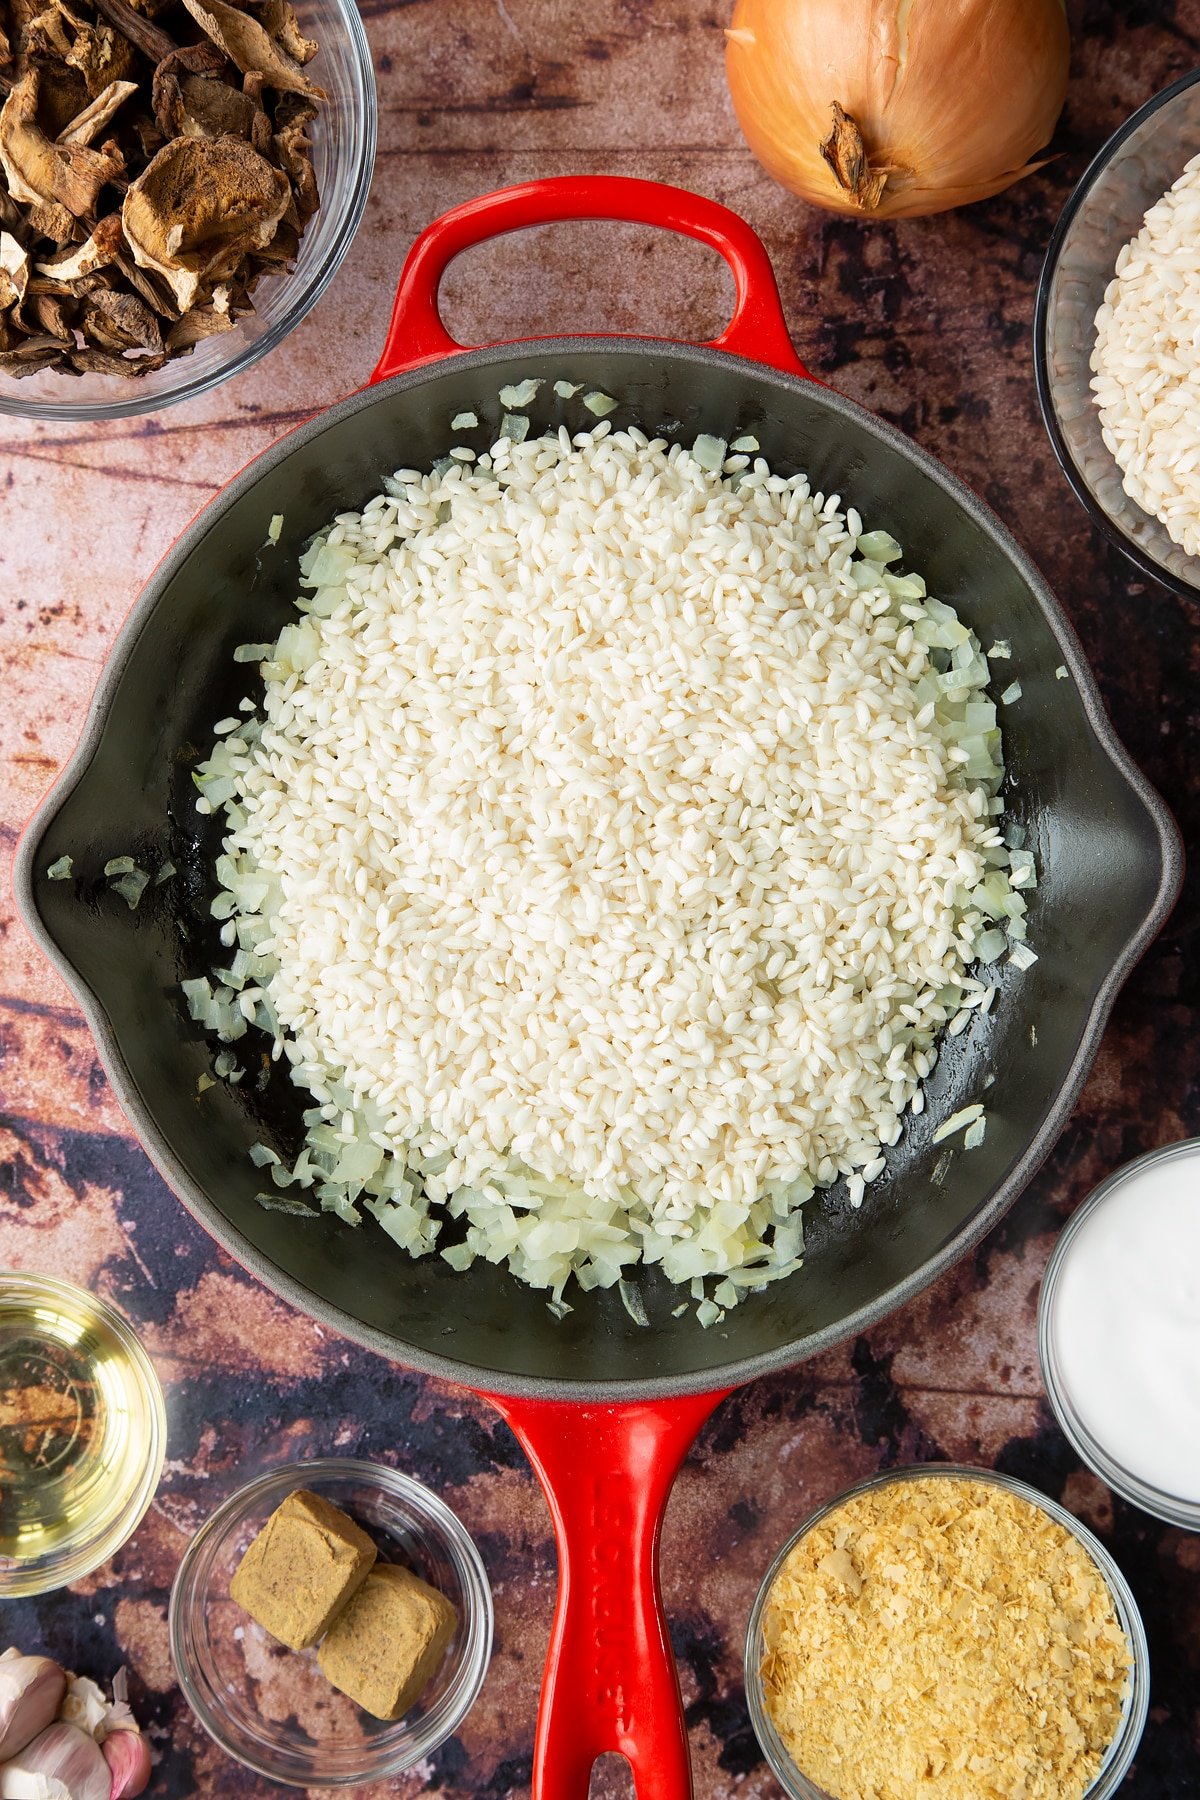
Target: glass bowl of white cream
1119	1332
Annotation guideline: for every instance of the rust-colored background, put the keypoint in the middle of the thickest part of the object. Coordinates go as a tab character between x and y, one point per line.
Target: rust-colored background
928	322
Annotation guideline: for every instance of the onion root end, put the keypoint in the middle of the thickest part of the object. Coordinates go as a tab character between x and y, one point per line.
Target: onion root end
845	151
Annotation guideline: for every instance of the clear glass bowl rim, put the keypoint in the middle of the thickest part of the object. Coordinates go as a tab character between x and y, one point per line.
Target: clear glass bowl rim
459	1698
1170	1507
1041	314
78	1557
364	142
1123	1748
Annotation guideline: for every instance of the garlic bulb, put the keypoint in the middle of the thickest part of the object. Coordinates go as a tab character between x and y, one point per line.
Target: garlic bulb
31	1691
62	1763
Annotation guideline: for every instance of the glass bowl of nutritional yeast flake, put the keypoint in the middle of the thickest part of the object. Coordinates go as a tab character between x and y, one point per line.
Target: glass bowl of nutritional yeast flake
1135	1707
82	1433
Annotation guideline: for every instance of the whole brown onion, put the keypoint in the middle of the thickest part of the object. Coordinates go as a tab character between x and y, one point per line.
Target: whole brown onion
889	108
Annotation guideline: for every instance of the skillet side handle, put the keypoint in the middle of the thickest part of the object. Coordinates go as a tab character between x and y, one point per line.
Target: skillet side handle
610	1681
757	330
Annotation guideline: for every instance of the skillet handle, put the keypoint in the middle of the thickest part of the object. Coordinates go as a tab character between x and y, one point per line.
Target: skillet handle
610	1681
757	330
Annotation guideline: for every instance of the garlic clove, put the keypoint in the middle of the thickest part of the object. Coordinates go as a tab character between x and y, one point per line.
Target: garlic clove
31	1691
62	1763
85	1706
128	1756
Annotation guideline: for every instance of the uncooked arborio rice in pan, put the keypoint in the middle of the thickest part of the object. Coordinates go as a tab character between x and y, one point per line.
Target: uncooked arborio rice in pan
613	839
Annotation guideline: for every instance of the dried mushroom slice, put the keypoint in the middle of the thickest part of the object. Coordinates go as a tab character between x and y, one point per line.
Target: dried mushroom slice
43	173
280	21
293	149
202	322
50	220
101	56
14	271
185	108
87	49
120	323
212	109
196	59
199	209
46	36
90	361
99	251
86	126
30	356
253	49
52	313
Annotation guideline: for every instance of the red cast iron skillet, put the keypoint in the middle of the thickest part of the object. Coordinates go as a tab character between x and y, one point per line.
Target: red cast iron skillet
605	1409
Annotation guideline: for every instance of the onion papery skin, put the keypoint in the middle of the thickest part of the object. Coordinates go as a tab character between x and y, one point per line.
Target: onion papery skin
953	98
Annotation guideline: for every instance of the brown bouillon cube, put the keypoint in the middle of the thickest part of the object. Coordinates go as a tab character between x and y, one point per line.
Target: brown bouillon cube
306	1563
384	1649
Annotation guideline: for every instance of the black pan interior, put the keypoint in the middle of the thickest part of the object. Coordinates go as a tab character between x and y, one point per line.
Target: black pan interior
1105	846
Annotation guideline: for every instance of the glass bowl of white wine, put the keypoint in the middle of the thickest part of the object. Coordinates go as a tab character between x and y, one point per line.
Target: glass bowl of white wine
82	1433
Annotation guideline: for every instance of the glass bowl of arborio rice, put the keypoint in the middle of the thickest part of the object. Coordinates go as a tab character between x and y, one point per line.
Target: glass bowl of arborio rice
604	848
1117	337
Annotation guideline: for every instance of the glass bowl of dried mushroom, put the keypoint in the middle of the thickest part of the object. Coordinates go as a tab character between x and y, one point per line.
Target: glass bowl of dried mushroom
331	1623
950	1630
179	181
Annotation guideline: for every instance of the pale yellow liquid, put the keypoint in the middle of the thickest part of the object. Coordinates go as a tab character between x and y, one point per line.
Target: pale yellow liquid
75	1427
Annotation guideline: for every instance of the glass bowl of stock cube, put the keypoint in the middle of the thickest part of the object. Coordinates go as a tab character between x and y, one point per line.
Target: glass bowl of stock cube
273	1708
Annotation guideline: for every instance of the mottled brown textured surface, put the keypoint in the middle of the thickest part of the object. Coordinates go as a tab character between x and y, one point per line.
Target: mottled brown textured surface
927	321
